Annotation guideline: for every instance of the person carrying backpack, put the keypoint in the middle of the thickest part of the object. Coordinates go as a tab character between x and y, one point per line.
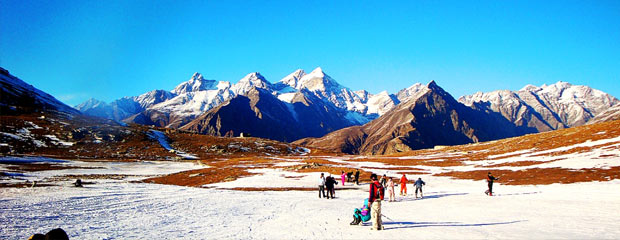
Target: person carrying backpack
418	186
377	192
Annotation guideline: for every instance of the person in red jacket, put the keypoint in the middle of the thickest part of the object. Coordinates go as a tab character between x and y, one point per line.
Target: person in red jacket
377	192
403	185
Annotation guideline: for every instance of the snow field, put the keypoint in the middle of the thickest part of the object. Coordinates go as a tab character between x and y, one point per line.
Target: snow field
451	209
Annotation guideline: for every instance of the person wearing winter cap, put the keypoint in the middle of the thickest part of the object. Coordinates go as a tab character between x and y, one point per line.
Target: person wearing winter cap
377	192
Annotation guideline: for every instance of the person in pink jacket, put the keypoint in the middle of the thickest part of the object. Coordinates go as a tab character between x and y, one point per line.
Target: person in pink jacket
343	177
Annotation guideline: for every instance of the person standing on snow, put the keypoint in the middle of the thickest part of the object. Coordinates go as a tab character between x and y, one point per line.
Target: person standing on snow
490	180
383	181
418	186
403	185
329	185
357	177
343	177
322	186
377	192
390	190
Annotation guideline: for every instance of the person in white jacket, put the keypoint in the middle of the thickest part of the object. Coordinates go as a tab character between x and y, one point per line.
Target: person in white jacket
390	190
322	186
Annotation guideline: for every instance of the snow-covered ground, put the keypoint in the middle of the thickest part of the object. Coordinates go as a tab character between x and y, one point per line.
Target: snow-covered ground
130	170
451	209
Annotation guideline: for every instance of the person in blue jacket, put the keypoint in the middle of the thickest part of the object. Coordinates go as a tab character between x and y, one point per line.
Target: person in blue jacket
418	186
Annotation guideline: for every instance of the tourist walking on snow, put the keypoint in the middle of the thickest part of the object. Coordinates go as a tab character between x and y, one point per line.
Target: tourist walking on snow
343	177
357	177
418	186
329	185
403	185
390	190
322	186
490	180
377	192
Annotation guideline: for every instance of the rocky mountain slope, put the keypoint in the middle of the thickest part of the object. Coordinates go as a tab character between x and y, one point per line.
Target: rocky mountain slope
611	114
430	116
16	96
334	106
261	114
545	108
313	104
35	123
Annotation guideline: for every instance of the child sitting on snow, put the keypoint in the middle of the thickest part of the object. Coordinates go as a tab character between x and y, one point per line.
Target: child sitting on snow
361	215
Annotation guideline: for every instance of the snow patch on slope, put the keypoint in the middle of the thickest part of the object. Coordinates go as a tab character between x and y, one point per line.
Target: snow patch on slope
163	141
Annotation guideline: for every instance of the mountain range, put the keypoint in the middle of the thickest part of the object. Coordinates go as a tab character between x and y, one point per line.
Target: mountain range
315	110
549	107
432	117
425	119
299	105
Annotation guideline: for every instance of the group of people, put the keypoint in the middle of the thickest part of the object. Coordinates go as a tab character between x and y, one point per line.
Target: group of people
372	205
327	186
388	183
347	177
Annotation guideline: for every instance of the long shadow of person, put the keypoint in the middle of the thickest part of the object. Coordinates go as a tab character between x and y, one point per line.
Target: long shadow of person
444	224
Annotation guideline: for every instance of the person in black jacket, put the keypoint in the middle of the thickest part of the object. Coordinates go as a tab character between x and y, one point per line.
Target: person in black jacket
329	186
383	181
357	177
490	179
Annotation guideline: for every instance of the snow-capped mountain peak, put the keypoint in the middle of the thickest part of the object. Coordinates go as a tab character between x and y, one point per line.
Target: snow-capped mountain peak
194	84
558	87
252	80
547	107
529	88
413	90
197	76
153	97
90	103
317	80
317	71
223	85
292	79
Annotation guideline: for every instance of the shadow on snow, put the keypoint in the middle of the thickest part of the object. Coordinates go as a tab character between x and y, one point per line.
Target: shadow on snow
443	224
512	194
433	196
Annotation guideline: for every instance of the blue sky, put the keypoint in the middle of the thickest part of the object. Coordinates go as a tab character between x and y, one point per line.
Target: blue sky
75	50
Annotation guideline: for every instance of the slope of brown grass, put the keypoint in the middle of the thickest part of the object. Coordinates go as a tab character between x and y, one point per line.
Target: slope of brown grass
199	177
